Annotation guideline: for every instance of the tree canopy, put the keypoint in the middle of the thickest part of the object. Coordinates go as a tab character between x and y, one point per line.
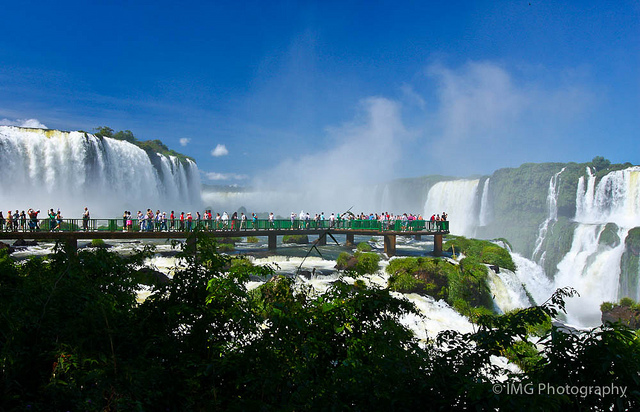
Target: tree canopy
73	336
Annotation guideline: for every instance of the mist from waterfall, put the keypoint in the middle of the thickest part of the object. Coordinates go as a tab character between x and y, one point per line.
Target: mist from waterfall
45	169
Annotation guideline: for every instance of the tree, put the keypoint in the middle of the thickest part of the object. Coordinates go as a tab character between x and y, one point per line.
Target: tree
73	337
126	135
104	131
600	163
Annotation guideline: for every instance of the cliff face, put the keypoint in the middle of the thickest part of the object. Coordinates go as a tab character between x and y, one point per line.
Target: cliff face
535	207
629	267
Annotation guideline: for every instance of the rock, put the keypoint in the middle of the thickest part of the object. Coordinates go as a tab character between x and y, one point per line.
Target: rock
297	239
22	242
9	248
351	264
151	277
625	315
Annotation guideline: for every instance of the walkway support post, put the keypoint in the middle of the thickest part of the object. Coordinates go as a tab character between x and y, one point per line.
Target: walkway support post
191	244
273	241
390	245
437	245
70	245
322	240
418	237
350	239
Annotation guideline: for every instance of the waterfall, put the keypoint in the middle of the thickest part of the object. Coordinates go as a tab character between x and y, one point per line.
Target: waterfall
592	267
552	208
458	199
484	204
46	169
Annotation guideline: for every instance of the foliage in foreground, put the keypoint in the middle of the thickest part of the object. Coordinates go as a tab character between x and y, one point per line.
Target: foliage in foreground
73	337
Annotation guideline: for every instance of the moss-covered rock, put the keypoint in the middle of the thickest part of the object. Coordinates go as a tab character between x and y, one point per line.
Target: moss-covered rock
463	286
364	247
423	276
626	312
296	239
483	251
629	265
226	247
556	244
362	263
151	277
99	243
609	236
468	287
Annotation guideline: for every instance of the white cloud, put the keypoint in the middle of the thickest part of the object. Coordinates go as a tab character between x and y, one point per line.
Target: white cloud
33	123
225	176
488	115
220	150
184	141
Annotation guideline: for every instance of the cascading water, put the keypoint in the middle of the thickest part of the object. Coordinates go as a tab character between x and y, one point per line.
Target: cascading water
552	207
484	204
592	266
46	169
458	199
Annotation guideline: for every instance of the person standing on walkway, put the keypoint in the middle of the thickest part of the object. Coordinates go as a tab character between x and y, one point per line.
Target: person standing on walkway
85	219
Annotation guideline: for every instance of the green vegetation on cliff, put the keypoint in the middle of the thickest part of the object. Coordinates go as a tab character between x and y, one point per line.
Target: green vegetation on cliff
149	146
519	199
629	265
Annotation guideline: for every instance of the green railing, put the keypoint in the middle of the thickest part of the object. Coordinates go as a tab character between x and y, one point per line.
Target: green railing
176	225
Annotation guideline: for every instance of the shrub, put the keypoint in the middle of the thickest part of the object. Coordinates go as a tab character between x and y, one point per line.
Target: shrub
360	263
252	239
343	260
364	247
368	263
406	283
297	239
482	250
226	247
98	243
627	302
606	307
430	276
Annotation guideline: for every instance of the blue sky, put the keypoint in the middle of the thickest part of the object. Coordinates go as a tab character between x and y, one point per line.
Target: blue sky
371	88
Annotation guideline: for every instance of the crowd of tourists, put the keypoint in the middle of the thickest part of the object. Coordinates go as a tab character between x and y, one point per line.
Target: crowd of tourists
163	221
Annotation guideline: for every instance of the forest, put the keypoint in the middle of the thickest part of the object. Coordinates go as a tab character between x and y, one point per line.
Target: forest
74	336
